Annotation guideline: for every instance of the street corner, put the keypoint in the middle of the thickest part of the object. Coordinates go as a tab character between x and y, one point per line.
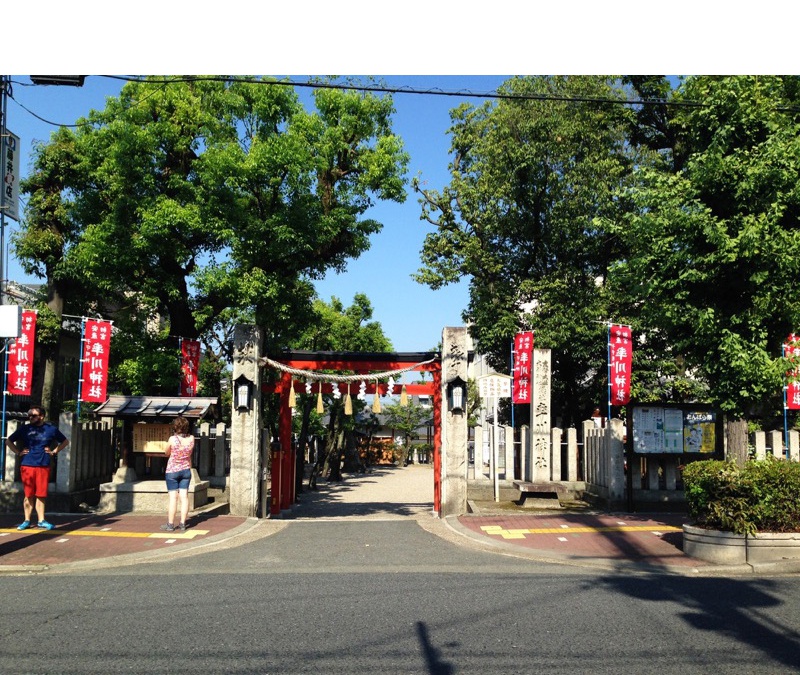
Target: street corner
654	541
84	537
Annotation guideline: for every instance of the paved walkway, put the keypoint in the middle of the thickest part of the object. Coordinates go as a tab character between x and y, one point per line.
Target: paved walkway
584	538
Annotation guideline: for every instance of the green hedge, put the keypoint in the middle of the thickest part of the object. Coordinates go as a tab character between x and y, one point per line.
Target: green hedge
761	496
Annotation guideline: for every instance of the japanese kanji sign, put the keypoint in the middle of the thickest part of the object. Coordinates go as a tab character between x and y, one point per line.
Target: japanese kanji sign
494	386
190	362
9	198
523	351
94	361
791	351
620	357
20	357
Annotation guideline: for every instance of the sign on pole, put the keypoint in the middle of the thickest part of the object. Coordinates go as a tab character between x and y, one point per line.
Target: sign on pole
9	198
494	386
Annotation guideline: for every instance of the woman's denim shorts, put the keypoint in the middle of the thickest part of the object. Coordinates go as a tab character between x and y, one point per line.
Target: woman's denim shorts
179	480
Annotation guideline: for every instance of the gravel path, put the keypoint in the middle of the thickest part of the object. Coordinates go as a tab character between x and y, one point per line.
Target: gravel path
385	493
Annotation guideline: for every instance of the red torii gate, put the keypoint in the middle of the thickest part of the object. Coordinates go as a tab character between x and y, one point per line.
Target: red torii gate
362	363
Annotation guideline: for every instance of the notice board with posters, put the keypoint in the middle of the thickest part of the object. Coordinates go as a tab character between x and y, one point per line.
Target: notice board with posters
151	438
670	428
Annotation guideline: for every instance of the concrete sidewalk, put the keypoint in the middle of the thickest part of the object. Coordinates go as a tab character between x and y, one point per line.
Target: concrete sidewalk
586	538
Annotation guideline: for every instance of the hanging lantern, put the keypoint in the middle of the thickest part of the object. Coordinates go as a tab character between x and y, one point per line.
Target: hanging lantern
292	397
348	403
376	401
320	407
403	396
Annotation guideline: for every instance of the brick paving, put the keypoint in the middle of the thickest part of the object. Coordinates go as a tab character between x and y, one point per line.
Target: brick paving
655	540
80	537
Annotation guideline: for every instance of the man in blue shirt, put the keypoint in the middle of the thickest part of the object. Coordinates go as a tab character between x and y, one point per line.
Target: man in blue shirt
36	443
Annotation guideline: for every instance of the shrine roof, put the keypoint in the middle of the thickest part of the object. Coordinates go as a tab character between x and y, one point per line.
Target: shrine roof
156	407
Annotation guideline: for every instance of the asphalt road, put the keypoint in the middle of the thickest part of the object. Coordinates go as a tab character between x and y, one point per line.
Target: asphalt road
390	596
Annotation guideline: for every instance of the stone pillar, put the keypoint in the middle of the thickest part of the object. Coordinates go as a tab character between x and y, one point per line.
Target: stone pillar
509	433
204	455
66	459
246	424
616	462
555	454
572	454
218	479
776	443
540	416
11	458
794	445
454	425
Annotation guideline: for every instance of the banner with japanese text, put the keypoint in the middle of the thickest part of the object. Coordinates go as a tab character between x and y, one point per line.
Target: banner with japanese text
94	361
190	365
620	358
523	352
791	351
20	357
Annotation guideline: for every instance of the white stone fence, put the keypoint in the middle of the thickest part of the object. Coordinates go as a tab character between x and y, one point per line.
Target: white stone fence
771	443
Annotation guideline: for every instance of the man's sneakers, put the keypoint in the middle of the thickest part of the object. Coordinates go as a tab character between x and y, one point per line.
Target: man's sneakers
43	524
168	527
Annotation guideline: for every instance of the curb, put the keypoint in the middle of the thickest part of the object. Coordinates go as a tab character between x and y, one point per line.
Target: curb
249	526
552	557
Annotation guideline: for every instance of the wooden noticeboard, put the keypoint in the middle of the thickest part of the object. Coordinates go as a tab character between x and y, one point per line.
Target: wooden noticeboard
151	438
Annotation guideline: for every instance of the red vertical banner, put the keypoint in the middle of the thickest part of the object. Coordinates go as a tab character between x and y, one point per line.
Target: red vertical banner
620	359
190	366
20	357
94	361
791	351
523	367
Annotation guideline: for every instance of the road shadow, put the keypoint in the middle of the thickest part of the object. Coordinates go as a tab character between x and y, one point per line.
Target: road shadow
732	608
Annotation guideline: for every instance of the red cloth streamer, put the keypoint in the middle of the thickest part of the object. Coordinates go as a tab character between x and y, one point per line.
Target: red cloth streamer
620	359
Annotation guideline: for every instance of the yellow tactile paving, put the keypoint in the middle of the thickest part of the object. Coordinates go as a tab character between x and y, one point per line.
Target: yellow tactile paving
520	533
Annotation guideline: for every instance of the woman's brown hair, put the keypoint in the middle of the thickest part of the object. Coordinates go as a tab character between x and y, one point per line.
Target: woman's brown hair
181	426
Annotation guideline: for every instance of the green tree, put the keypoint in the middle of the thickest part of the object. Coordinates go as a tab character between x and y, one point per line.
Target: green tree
407	419
713	238
195	196
529	178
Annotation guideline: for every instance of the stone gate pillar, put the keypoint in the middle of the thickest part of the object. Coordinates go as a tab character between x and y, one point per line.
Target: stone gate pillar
455	459
246	423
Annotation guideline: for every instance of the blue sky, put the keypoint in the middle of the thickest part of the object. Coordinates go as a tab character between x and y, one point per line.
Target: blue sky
411	315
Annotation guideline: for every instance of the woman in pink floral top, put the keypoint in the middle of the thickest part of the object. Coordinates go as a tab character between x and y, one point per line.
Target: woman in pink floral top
179	472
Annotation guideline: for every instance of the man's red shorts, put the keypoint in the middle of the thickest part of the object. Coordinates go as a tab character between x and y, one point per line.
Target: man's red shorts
35	480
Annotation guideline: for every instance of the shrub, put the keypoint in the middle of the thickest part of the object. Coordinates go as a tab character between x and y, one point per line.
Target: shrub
761	496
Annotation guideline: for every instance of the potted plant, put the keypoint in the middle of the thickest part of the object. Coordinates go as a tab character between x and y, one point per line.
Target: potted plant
743	514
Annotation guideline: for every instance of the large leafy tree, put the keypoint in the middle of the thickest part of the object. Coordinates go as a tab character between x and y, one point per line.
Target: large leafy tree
713	237
530	176
193	197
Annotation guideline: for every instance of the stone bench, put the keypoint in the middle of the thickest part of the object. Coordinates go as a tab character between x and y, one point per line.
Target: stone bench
540	494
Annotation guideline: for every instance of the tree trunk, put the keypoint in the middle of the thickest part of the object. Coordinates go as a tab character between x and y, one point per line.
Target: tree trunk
55	302
352	462
737	441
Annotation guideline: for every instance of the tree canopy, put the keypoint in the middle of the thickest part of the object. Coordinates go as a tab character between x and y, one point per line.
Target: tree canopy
189	198
574	206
